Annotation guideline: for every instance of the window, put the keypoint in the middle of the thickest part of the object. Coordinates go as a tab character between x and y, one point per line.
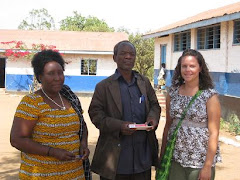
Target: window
88	67
208	37
182	41
236	32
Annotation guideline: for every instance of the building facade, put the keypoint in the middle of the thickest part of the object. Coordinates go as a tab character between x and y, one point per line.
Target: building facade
88	56
216	34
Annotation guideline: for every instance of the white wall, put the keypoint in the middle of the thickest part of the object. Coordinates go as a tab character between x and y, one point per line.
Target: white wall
19	66
157	52
225	59
105	65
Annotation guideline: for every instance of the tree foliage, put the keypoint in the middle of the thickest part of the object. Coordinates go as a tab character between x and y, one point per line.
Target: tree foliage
123	29
145	55
39	19
81	23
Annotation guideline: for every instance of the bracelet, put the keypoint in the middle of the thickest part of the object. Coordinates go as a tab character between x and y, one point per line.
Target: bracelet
48	152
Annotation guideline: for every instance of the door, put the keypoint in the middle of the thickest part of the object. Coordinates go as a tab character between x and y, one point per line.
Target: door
163	53
2	72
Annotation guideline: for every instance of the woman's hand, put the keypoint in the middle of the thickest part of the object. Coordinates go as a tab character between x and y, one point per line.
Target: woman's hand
84	152
205	173
61	154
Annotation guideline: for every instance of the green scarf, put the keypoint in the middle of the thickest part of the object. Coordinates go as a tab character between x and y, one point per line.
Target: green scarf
163	172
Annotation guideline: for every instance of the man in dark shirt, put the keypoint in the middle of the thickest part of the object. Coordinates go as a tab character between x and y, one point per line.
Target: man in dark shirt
125	98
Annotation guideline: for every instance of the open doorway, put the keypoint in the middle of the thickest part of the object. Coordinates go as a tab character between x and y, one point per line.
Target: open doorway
163	48
2	72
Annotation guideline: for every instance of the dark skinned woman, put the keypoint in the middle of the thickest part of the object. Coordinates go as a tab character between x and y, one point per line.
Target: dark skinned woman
47	124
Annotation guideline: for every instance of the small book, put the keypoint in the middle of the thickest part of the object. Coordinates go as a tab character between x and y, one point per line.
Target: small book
140	126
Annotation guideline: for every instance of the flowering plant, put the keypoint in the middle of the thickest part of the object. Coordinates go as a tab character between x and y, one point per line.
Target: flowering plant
18	49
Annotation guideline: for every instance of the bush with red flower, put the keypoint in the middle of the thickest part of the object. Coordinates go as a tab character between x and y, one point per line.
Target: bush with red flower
18	49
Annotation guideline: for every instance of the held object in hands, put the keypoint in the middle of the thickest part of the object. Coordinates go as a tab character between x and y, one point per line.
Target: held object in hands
78	156
140	126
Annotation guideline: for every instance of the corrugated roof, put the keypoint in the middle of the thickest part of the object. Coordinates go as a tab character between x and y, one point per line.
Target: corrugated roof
65	40
213	13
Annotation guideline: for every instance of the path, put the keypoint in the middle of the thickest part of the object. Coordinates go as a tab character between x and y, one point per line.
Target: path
10	157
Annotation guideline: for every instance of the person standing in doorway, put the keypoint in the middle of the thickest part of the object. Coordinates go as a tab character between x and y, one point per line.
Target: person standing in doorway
125	98
162	76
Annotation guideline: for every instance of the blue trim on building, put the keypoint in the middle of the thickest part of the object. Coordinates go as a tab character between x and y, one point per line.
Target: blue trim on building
83	83
78	84
18	82
225	83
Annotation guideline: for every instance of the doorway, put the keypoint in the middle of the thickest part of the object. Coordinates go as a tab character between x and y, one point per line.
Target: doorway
163	53
2	72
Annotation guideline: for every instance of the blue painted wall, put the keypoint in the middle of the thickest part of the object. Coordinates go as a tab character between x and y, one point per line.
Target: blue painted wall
225	83
79	84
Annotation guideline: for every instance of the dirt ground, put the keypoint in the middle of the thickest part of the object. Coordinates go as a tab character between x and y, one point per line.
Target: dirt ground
10	157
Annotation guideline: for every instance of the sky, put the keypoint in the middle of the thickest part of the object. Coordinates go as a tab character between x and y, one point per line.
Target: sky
135	15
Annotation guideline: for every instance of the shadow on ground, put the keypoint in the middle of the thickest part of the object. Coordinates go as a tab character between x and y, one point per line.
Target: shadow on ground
9	165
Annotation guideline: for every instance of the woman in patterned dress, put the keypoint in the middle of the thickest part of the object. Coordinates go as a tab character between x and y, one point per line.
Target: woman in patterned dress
196	150
46	126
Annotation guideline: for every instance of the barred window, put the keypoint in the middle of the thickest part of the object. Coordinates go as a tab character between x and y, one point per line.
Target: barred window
182	41
236	32
208	37
88	67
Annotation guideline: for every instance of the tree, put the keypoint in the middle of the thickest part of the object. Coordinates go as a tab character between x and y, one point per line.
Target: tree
145	54
39	19
81	23
123	29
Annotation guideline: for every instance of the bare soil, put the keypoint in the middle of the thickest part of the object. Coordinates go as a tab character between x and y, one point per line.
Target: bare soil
10	157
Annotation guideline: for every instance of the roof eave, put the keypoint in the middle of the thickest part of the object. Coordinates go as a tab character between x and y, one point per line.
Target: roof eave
87	52
198	24
78	52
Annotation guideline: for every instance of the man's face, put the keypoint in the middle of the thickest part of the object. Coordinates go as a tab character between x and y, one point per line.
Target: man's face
125	57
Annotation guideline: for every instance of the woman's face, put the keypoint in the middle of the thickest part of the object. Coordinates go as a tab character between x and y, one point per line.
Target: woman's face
52	78
190	69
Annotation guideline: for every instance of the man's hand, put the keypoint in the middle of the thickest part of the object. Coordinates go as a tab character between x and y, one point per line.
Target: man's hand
125	130
152	122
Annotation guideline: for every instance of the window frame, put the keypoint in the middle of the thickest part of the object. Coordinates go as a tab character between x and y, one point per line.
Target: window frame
182	41
209	37
236	37
87	67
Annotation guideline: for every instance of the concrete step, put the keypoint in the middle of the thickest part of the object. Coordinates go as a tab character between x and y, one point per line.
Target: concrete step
162	102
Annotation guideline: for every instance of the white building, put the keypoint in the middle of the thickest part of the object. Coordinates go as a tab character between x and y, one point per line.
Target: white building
216	34
89	55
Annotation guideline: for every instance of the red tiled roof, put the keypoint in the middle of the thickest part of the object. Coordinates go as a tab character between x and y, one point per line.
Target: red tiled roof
213	13
65	40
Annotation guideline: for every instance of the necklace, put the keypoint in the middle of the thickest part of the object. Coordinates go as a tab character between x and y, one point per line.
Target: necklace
62	107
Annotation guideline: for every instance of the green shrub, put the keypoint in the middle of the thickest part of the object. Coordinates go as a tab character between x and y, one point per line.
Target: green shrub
224	124
234	125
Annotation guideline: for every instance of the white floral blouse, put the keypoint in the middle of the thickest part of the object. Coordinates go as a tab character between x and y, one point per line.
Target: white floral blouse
192	139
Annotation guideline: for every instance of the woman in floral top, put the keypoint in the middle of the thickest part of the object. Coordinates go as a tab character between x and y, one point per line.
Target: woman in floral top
196	150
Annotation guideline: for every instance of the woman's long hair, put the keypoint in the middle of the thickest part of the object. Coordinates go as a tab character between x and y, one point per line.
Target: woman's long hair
205	81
